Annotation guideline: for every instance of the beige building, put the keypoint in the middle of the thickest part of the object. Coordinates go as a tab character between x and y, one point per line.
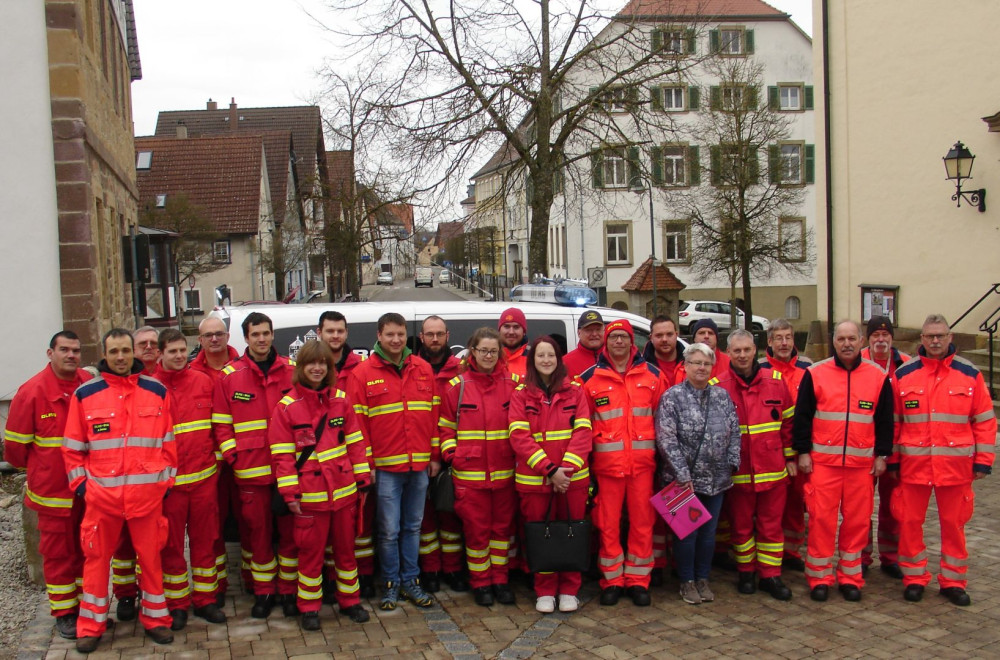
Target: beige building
906	83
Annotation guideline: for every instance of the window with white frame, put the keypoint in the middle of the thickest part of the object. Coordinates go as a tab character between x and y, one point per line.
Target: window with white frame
792	240
161	201
733	96
791	163
731	41
144	160
673	98
789	97
617	240
616	99
793	307
221	252
677	237
192	300
673	41
673	166
615	168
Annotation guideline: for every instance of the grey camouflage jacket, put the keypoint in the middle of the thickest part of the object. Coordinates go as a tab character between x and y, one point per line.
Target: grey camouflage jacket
680	417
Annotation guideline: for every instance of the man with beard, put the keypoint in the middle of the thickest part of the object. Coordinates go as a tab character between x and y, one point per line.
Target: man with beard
513	327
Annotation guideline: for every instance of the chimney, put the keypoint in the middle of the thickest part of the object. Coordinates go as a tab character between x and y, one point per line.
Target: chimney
234	115
212	105
182	130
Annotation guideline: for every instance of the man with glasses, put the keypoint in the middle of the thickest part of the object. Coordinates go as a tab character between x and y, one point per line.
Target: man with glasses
590	341
623	390
147	348
945	440
215	350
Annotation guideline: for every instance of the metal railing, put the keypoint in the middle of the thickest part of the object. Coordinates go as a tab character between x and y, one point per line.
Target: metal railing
990	326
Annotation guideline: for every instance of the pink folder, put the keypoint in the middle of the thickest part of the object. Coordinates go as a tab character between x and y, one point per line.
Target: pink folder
681	509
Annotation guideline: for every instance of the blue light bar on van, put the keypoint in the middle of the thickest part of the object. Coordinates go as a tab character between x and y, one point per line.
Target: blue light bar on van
561	294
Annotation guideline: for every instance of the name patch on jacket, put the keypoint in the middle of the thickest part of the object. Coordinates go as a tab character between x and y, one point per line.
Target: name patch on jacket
602	401
377	381
243	396
866	405
336	421
911	404
47	415
102	427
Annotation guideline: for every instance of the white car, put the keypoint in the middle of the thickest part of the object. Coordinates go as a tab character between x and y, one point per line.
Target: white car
444	277
692	311
384	278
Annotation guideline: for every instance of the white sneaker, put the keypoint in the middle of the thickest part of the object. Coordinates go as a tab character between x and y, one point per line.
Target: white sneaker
568	603
546	604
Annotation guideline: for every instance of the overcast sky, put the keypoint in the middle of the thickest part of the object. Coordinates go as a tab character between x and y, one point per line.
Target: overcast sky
262	52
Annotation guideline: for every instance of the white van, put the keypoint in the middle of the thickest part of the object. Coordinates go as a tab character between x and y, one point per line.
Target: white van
296	324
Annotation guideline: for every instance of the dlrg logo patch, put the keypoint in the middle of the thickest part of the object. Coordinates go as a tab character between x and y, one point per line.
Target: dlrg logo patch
866	405
102	427
602	401
911	404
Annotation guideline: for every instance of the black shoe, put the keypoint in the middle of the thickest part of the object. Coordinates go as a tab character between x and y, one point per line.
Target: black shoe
505	595
66	626
747	583
957	596
179	619
820	593
220	599
892	570
210	613
160	635
87	644
851	592
483	596
639	595
355	613
913	592
430	582
262	606
366	586
775	587
126	609
310	621
289	606
610	595
457	582
864	569
656	578
793	563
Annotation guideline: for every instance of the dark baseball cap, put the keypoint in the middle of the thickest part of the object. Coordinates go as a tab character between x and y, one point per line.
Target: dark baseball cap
589	317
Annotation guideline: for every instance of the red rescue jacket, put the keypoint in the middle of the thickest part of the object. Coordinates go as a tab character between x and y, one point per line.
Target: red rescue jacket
119	440
34	437
549	432
946	427
579	360
191	395
791	371
241	410
348	361
330	477
517	360
200	363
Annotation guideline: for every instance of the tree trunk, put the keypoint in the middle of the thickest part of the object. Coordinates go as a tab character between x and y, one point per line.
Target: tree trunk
747	302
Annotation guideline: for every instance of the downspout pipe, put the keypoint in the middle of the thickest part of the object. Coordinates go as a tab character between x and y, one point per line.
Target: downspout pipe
824	9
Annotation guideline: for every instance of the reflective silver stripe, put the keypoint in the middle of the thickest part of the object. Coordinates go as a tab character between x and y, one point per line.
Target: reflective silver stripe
638	560
146	442
851	570
611	575
640	570
951	419
820	573
909	450
954	561
153	598
93	600
99	617
837	450
131	479
916	419
161	611
983	416
642	412
985	447
913	571
922	556
76	473
609	446
75	445
643	444
849	556
614	413
113	443
844	417
952	575
612	561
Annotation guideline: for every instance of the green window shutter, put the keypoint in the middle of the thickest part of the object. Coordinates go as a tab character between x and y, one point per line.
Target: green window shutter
632	97
634	167
691	41
713	41
753	165
716	154
597	168
810	163
714	97
751	95
773	100
656	41
656	98
694	97
656	156
694	166
808	94
592	95
748	41
773	163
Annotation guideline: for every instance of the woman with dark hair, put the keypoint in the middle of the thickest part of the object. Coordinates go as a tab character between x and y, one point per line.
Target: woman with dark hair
318	457
551	435
475	442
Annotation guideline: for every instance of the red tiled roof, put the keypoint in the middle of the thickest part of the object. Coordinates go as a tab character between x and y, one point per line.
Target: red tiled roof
404	212
447	231
221	175
701	8
641	280
278	149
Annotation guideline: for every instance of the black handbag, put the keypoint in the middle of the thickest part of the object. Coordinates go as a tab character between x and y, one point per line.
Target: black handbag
279	506
557	545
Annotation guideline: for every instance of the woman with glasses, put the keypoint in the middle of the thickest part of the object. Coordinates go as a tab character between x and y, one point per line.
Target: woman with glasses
476	444
698	438
551	434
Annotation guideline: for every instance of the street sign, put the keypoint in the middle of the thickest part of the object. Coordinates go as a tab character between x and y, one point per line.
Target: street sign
596	278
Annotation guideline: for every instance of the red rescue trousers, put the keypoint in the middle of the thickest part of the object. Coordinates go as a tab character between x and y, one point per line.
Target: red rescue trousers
257	521
124	583
955	505
634	492
440	541
62	563
833	490
756	534
533	508
793	520
228	498
99	535
287	556
888	526
364	544
316	534
194	508
488	522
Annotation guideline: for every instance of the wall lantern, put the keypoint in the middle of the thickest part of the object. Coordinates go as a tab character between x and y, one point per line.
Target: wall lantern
958	165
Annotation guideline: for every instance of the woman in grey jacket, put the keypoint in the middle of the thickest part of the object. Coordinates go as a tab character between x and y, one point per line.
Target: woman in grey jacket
698	438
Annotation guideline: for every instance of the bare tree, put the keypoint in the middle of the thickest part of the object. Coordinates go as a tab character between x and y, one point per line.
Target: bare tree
468	78
737	221
286	252
193	250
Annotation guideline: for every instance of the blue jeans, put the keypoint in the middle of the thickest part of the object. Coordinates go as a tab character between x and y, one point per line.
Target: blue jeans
693	553
399	512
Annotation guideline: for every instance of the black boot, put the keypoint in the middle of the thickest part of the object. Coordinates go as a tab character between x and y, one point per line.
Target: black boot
746	583
262	606
366	585
776	588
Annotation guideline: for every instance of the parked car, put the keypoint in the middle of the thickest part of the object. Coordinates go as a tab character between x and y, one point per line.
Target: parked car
692	311
423	276
444	277
384	278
